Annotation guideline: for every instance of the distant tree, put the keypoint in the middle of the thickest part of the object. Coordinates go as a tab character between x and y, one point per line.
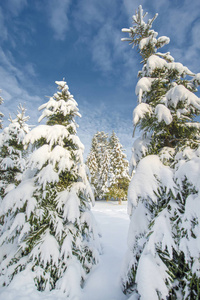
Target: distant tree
164	253
118	190
95	159
119	169
108	166
104	174
50	224
92	163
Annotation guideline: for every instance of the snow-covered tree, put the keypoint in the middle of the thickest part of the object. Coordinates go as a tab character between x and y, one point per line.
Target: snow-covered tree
119	169
95	159
163	260
1	115
104	174
50	224
12	153
108	166
92	163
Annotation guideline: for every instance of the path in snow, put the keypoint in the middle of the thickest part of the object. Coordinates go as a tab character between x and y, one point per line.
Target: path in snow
104	281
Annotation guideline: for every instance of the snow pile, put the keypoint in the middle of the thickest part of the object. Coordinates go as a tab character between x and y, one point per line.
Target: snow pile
180	94
145	184
143	85
163	114
140	111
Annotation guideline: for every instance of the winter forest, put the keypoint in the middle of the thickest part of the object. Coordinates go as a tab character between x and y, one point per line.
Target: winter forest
49	236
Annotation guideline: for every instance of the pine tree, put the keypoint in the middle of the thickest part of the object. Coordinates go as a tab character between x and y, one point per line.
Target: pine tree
51	223
104	175
119	169
95	159
161	262
12	164
12	153
108	167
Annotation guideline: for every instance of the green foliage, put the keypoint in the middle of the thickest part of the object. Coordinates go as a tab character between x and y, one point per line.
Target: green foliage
118	190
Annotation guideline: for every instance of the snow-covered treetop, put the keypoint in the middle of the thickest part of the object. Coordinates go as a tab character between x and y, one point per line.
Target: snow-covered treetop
17	128
21	118
165	89
142	36
56	142
61	107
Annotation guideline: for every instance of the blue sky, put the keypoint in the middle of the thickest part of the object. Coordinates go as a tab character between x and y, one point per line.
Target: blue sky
42	41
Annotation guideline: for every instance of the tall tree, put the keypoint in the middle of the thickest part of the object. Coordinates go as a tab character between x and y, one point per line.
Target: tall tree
50	221
161	262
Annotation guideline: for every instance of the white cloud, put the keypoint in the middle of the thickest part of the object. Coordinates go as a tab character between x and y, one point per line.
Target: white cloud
58	17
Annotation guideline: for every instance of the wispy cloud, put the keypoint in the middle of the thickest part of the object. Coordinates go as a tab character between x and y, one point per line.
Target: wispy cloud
102	48
13	94
90	12
58	17
3	31
183	30
14	85
109	55
16	7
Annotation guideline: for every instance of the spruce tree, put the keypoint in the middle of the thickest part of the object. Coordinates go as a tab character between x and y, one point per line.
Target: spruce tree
12	166
119	169
95	159
104	174
163	257
50	222
12	153
108	167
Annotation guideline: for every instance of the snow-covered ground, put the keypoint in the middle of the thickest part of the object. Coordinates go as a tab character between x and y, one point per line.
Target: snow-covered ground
103	282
